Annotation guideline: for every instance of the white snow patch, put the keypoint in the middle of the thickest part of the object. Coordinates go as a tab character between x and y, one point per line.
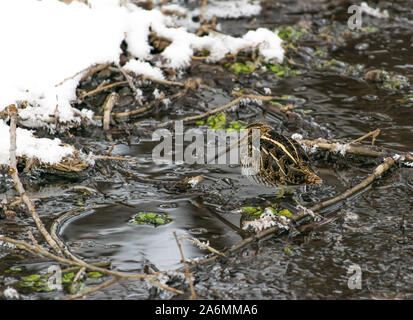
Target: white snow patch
342	148
296	136
266	220
11	293
144	68
45	150
374	12
232	9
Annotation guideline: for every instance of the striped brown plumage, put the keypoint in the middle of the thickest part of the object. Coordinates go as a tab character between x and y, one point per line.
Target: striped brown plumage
282	161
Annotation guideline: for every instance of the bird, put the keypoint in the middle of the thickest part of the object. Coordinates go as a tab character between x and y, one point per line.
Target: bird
281	160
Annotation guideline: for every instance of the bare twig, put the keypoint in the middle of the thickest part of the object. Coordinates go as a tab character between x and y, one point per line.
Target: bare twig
77	277
206	114
203	7
99	89
95	69
187	273
203	245
164	286
166	82
89	71
12	110
374	135
131	84
103	157
133	112
94	289
108	105
38	250
335	147
254	96
305	213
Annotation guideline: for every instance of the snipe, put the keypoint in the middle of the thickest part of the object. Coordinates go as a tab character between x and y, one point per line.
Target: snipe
282	161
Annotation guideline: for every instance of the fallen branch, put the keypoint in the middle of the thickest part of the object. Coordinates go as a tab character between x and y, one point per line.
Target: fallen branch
306	213
12	110
77	278
102	157
374	135
39	251
99	89
94	289
336	147
95	69
254	96
90	70
165	82
108	105
131	84
133	112
187	273
204	115
203	245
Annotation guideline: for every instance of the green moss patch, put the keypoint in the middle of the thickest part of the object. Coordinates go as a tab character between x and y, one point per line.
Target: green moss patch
255	212
151	218
282	70
241	67
291	33
219	121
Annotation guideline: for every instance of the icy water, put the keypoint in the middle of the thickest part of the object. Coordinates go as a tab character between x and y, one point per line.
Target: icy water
313	265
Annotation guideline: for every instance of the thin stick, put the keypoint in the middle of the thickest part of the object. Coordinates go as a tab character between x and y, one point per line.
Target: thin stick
203	245
164	286
99	89
133	112
108	105
131	85
156	80
77	277
75	75
77	262
95	69
166	82
206	114
103	157
301	215
334	147
374	135
97	264
203	6
254	96
187	274
94	289
12	110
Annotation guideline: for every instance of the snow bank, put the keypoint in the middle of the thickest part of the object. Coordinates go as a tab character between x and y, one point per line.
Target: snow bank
45	150
46	42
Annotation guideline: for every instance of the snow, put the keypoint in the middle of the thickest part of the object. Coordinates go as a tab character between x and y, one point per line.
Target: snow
45	150
144	68
374	12
48	43
296	136
11	293
232	9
